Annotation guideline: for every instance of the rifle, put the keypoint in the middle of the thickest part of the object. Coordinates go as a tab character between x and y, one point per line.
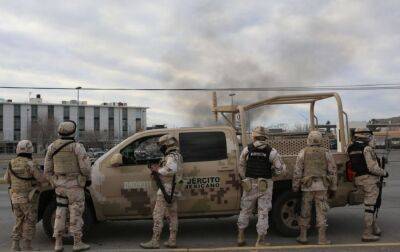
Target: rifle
160	185
382	163
9	189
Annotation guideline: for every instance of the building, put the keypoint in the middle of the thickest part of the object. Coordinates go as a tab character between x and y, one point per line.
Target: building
98	124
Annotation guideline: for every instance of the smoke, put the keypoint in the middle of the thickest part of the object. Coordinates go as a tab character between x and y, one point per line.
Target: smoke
230	44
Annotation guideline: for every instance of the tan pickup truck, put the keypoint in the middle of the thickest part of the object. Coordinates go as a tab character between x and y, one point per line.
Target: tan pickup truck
122	188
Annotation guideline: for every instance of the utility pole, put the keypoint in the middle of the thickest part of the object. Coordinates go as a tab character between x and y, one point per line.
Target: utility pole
77	121
233	119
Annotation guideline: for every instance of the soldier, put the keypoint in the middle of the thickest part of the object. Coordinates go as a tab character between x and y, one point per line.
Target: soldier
169	176
368	172
22	175
68	169
314	174
258	162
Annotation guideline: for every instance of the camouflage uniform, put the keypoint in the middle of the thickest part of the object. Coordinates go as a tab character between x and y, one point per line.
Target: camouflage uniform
314	185
368	183
22	192
255	195
68	170
170	166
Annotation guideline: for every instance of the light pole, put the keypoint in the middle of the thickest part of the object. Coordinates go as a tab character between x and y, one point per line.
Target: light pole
233	114
77	121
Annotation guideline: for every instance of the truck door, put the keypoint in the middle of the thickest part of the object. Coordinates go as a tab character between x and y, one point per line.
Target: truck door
211	181
128	189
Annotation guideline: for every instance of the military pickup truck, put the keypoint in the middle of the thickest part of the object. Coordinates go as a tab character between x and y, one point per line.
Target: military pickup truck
122	188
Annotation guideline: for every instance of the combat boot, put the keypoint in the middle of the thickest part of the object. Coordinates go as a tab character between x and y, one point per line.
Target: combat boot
303	236
241	240
261	241
152	244
322	236
58	245
79	245
27	245
376	230
368	235
15	245
171	243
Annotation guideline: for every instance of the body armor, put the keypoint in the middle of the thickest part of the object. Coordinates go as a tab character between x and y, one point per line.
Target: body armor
258	164
21	182
357	158
315	163
65	160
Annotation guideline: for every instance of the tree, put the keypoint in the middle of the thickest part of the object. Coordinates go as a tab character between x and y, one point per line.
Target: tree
43	132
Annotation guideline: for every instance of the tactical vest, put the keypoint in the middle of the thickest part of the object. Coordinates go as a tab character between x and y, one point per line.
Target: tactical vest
20	168
179	172
65	161
258	164
357	158
315	163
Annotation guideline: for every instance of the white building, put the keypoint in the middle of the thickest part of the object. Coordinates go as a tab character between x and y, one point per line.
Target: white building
109	122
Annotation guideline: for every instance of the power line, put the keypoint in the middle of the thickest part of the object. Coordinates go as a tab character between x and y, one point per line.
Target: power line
389	86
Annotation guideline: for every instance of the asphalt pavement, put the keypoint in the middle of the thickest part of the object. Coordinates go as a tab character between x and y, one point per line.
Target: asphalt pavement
345	228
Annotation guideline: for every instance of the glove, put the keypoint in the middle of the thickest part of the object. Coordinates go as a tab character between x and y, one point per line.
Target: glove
386	175
88	183
331	194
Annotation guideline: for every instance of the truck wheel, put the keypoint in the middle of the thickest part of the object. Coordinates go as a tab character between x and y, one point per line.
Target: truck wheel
49	217
284	214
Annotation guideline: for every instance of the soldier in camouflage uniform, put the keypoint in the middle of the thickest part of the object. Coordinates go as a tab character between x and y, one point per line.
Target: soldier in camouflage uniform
22	175
258	162
314	174
67	167
368	172
170	171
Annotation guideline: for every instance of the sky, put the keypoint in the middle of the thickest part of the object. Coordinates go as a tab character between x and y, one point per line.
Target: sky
206	44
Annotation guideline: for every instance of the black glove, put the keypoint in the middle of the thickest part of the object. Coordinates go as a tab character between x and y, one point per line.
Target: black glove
331	194
88	183
386	175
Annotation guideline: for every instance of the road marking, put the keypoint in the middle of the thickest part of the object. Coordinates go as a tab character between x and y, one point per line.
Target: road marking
272	247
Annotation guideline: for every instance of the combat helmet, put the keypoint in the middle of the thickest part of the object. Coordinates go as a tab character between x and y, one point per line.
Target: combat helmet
259	132
314	138
24	146
362	134
67	128
167	140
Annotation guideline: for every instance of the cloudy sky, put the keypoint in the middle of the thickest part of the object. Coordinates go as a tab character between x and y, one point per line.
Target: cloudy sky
153	44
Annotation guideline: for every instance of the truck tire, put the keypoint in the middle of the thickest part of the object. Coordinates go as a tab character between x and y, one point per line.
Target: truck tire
284	214
49	214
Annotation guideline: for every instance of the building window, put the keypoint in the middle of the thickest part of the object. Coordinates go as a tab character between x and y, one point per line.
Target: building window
17	122
124	122
34	113
111	122
81	118
1	117
138	124
50	112
66	113
96	119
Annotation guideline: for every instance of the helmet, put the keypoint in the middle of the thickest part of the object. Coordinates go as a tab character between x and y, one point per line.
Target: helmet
67	128
24	146
362	134
167	140
259	132
314	138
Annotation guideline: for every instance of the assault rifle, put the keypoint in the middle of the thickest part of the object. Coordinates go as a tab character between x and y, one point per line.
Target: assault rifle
382	163
160	185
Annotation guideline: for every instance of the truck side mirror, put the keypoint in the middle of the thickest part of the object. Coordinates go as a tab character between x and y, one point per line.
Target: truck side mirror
116	160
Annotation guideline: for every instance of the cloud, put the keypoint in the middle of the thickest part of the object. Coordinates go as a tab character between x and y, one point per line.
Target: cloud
203	44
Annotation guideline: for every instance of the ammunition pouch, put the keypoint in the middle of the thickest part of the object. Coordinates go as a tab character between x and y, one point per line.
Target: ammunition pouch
33	195
262	185
246	185
81	180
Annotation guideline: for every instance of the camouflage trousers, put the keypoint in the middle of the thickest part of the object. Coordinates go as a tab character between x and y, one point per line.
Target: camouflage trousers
368	184
72	200
25	221
321	206
248	202
170	212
